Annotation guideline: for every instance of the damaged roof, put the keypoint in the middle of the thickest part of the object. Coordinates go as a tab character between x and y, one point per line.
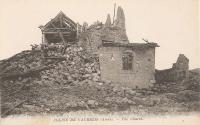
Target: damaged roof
60	21
131	45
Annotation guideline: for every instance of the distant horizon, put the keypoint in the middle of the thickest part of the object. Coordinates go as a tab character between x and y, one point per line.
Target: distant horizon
173	24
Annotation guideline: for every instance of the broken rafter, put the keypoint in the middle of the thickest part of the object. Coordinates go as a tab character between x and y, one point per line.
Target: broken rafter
61	22
62	37
62	28
46	32
53	25
71	24
60	33
30	72
11	109
63	19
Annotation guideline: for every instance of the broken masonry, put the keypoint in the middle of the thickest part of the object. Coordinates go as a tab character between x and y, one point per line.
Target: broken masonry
122	62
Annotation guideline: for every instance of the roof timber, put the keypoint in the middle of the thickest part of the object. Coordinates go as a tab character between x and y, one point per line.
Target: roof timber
60	29
56	32
62	19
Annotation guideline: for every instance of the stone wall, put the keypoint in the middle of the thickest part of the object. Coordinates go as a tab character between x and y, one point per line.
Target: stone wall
116	31
178	72
142	73
93	36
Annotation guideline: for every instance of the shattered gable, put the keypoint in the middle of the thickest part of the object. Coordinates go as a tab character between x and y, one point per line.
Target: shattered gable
60	29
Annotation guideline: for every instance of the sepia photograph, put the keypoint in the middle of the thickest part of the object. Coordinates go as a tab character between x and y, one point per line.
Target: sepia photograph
99	62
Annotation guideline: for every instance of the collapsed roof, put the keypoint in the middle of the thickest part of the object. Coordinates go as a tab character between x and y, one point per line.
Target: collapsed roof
60	29
131	45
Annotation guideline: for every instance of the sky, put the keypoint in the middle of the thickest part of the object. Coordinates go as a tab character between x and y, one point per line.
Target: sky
173	24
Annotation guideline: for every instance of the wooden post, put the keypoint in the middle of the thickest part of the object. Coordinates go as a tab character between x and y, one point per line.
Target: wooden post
43	38
62	37
61	23
77	30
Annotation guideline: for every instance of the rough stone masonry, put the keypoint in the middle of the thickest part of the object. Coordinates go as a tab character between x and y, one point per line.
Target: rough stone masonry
178	72
126	64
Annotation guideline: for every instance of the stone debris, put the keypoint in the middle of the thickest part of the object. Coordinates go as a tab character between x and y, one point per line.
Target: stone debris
74	84
63	77
91	38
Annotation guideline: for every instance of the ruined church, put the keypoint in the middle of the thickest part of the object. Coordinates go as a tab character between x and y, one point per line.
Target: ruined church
121	61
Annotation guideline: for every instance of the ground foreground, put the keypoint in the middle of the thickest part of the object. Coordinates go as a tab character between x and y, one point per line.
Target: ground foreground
30	85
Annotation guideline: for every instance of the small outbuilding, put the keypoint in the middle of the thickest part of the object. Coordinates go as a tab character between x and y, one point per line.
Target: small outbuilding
124	63
128	64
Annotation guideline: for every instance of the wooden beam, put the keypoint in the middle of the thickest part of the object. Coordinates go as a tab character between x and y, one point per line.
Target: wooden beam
71	24
63	28
77	30
61	23
30	72
56	32
11	109
43	38
62	37
53	25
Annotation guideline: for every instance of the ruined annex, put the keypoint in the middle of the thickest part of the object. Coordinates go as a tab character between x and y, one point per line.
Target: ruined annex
124	63
95	68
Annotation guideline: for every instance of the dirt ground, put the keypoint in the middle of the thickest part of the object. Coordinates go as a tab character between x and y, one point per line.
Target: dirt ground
74	84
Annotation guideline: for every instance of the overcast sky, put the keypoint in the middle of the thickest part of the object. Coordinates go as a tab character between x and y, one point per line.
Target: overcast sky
173	24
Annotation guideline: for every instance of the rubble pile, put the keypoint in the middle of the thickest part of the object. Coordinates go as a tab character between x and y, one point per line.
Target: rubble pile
194	80
63	74
23	72
179	71
192	83
70	81
21	62
77	66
